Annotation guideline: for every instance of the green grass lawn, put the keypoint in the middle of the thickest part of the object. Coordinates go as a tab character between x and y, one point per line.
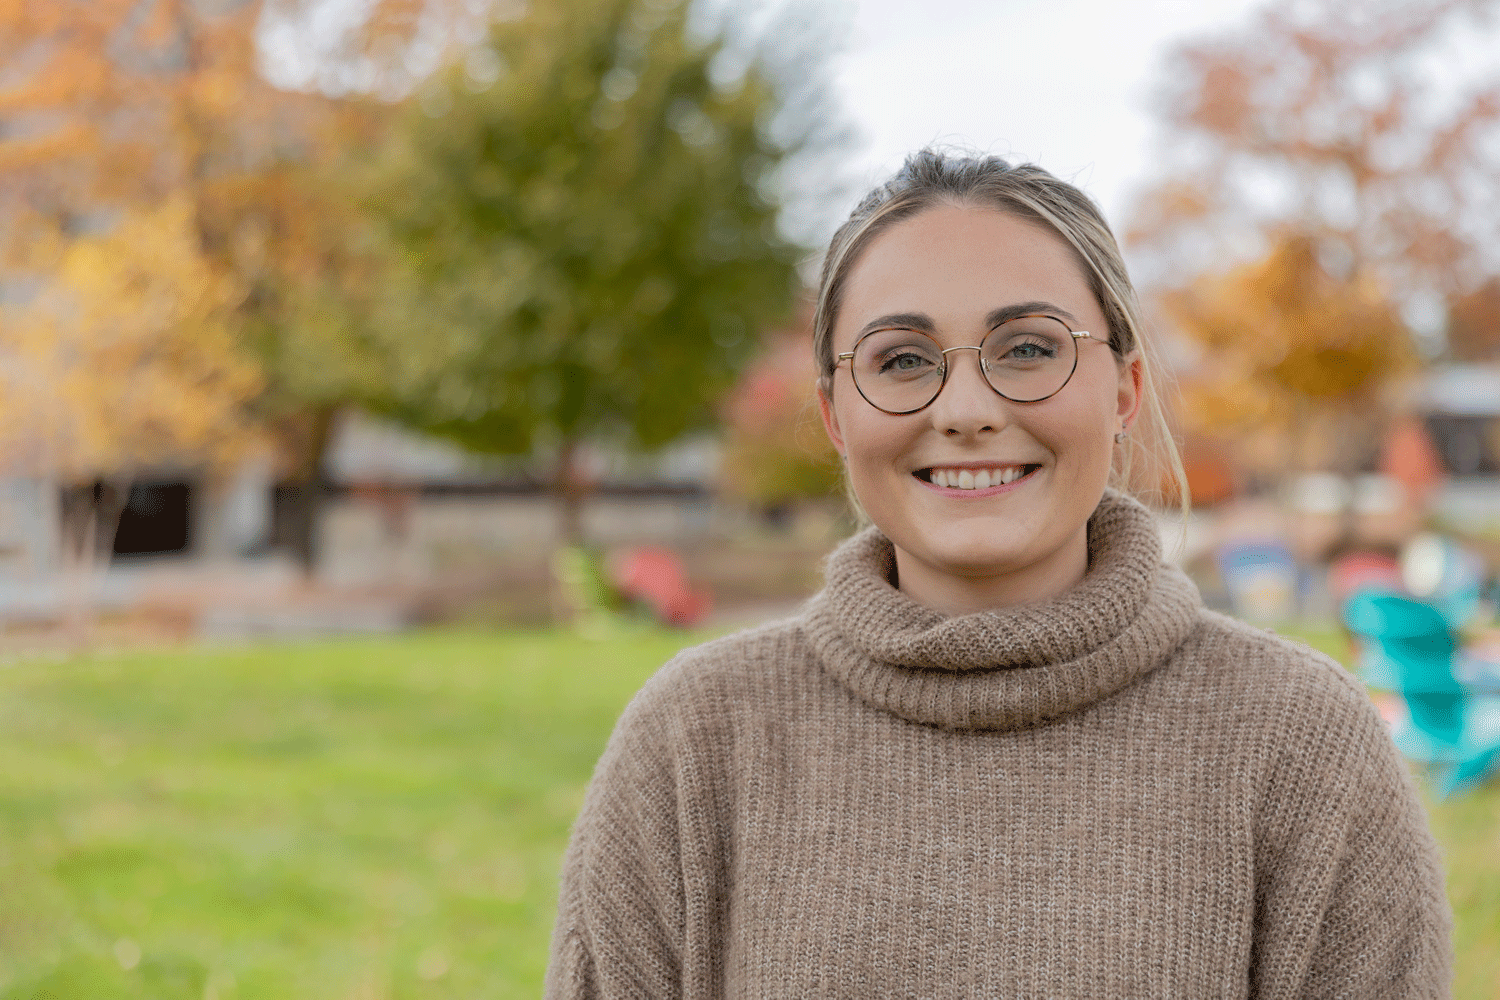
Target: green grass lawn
371	820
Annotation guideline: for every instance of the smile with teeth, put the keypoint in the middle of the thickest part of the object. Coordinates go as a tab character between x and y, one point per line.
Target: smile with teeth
974	479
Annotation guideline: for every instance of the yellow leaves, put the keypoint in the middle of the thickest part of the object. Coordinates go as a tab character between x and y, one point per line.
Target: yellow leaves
128	357
218	93
1280	334
44	149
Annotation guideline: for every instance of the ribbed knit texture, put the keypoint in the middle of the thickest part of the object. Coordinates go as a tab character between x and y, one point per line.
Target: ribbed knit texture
1113	794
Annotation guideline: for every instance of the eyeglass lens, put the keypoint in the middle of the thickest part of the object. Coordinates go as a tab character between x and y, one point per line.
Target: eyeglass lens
1025	360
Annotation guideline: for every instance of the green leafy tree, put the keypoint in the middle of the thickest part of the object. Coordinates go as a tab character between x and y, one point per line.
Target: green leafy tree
582	222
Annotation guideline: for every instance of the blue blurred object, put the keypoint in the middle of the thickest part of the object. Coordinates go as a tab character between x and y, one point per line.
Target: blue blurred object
1450	725
1261	578
1477	671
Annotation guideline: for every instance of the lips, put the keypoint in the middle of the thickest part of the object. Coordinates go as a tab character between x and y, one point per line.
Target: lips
975	478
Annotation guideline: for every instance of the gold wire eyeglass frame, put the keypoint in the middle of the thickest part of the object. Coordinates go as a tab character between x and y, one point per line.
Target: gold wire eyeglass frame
979	356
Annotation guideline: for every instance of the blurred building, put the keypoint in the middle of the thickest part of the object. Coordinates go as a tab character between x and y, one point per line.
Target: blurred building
413	506
1460	408
398	510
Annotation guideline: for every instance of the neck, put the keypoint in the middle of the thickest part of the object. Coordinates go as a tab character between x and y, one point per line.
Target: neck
953	594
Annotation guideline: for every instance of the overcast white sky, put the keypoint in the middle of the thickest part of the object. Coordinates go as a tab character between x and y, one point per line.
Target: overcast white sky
1063	83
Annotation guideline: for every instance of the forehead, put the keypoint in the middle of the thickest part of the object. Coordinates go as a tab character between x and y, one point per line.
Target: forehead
957	264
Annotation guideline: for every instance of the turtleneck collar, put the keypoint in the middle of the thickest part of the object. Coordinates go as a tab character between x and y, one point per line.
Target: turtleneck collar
1013	667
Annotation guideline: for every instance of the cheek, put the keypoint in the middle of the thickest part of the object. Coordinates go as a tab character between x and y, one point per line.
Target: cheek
866	436
1081	438
873	446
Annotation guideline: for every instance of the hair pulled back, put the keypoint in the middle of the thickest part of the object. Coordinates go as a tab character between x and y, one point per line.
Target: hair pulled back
1148	459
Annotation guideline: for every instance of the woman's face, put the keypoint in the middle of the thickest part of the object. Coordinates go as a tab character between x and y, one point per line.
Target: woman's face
947	270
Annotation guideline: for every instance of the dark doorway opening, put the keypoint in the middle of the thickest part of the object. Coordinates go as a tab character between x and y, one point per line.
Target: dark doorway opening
1468	445
155	519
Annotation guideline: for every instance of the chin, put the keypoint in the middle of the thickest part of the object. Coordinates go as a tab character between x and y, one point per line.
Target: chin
974	554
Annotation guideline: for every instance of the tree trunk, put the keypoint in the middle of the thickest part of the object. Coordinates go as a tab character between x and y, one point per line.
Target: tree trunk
301	495
569	490
90	516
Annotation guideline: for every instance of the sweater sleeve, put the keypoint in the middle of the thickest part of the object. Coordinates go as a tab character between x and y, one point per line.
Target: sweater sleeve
1350	900
620	916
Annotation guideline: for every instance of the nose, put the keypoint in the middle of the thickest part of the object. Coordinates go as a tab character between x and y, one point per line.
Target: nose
967	406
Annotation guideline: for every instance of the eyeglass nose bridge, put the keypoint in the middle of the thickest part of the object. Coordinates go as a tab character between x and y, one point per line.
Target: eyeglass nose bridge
984	362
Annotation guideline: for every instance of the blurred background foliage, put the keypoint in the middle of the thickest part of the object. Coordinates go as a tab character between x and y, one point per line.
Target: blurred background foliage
1280	344
581	236
776	453
1321	222
520	227
130	354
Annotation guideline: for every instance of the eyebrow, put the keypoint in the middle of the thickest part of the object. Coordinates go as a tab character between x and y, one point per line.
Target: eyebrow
923	322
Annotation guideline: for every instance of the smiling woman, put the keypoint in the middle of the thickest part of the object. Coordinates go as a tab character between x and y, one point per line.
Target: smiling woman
1005	751
1039	409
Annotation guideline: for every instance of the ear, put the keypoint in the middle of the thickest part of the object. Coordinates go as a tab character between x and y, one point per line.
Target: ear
1132	388
825	410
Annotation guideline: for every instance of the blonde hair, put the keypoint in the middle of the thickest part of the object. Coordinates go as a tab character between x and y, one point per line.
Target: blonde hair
1148	458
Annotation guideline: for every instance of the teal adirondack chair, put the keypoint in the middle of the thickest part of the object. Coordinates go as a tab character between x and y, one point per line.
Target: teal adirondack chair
1411	649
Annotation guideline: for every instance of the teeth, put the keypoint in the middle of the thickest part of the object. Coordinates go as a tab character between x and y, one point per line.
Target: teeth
976	479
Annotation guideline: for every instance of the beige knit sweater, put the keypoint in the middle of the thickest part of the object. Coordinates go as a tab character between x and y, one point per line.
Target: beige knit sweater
1114	794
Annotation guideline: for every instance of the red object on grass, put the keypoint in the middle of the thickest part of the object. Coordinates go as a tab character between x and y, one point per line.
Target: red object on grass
655	576
1363	571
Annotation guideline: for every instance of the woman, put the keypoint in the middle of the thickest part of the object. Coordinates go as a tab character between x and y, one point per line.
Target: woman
1005	751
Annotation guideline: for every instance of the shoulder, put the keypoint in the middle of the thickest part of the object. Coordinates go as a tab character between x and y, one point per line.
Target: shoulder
710	685
1302	714
1271	670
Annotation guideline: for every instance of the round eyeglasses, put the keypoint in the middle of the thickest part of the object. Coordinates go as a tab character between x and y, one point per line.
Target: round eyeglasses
1025	359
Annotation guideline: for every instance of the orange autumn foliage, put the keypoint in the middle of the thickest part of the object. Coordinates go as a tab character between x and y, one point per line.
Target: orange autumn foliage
1283	345
1371	129
155	118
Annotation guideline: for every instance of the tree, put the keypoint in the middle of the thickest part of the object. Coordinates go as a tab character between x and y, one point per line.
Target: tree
1362	127
582	234
126	360
110	102
1291	359
125	106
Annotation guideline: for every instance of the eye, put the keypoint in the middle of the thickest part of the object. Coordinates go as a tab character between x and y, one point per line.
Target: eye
903	362
1034	349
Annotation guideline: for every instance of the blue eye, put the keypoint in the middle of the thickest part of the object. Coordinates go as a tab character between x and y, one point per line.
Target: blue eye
1032	350
904	362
